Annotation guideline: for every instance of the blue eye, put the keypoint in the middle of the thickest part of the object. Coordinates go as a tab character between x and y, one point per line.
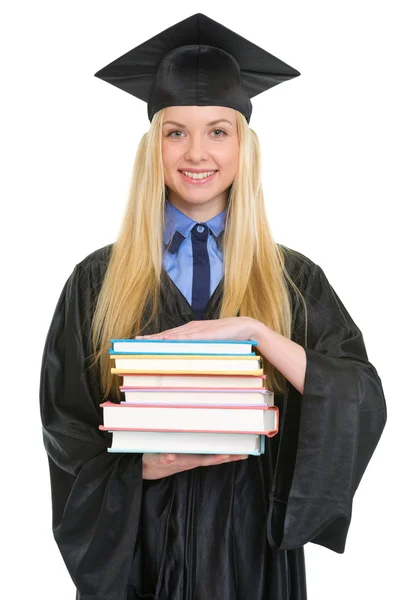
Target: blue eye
220	133
171	133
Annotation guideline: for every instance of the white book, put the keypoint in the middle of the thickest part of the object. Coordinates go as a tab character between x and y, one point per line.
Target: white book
194	443
190	418
167	396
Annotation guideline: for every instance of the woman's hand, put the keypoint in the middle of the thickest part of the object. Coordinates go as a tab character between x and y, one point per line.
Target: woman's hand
156	466
230	328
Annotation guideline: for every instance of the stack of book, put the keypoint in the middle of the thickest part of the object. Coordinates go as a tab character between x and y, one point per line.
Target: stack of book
193	396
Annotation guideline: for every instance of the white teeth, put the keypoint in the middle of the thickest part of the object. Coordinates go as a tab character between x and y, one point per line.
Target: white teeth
198	175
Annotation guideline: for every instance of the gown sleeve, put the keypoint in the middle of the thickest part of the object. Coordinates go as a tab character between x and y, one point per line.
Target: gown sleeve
329	433
96	495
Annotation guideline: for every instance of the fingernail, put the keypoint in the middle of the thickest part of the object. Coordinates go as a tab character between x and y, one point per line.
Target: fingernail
244	456
171	457
226	456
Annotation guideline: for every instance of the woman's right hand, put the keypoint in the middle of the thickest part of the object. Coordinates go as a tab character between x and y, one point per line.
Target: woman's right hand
156	466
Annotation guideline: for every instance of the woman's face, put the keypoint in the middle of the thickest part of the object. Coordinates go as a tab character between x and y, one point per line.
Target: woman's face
199	140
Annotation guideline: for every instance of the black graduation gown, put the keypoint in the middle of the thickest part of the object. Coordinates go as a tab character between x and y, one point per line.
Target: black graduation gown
234	531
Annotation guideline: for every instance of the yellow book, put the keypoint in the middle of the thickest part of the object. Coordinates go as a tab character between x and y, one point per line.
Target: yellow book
183	364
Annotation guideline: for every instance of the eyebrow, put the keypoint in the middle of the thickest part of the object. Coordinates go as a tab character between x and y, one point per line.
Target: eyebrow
208	124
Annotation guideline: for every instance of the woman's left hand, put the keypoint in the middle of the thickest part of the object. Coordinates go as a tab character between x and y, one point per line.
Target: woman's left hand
230	328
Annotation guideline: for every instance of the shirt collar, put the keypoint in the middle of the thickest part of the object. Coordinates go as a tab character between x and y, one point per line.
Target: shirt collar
178	221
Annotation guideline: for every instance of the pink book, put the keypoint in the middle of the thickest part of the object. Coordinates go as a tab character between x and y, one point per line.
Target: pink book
193	418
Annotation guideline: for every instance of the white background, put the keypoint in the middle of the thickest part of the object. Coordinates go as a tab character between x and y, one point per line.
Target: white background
338	164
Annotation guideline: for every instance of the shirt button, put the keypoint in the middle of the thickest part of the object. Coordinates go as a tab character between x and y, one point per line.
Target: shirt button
200	228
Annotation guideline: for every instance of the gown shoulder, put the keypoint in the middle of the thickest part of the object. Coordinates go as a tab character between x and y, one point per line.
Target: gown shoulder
99	257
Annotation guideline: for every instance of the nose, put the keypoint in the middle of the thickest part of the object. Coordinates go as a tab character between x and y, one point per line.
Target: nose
196	149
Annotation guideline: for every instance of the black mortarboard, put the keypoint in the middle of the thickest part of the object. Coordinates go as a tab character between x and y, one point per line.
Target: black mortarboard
197	62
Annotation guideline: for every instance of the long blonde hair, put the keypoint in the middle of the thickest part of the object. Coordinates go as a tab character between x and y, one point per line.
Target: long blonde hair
254	280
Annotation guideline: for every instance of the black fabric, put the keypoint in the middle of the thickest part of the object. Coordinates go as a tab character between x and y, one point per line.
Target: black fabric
197	62
234	531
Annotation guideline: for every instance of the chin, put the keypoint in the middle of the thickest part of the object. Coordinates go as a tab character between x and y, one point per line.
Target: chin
198	194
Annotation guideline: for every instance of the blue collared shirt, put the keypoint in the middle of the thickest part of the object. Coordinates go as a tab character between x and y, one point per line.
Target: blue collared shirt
179	266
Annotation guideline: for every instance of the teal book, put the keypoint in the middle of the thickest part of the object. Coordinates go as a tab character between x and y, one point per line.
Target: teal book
208	347
187	443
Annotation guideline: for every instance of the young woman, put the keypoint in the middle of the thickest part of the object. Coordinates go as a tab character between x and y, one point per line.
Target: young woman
198	527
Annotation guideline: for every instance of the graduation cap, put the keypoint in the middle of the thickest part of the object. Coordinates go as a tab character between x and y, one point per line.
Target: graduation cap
197	62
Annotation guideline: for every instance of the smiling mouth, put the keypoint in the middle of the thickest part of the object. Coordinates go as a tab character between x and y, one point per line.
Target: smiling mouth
202	177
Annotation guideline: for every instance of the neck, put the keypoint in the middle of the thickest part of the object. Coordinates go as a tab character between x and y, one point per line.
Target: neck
199	212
